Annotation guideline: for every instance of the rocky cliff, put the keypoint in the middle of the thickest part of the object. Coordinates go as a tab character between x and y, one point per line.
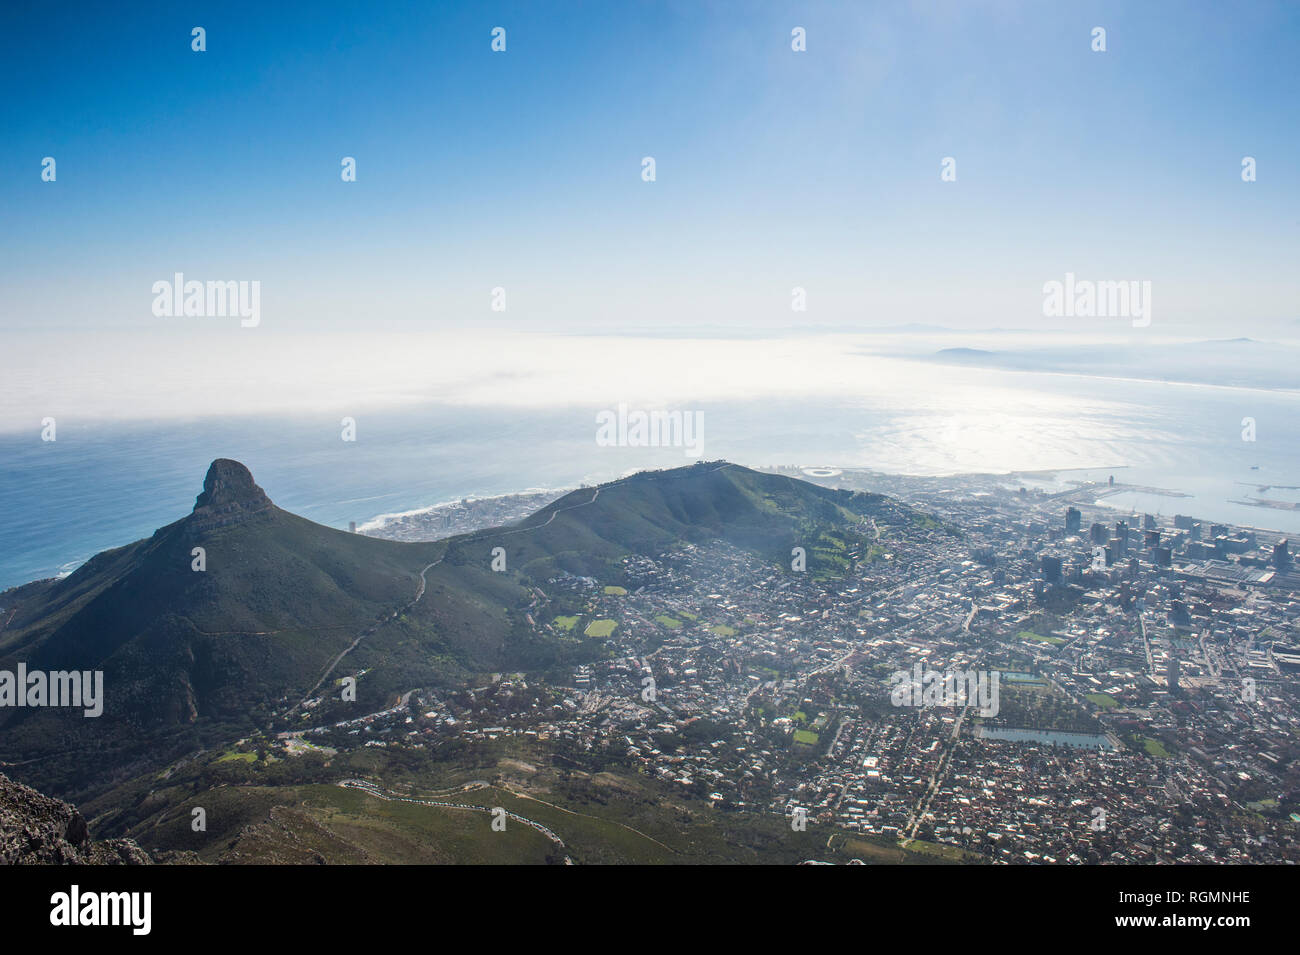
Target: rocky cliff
38	830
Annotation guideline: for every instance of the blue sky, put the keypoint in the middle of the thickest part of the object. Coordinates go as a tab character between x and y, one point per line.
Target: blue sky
774	168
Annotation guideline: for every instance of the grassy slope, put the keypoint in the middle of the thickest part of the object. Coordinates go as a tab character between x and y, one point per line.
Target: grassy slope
615	817
190	654
191	658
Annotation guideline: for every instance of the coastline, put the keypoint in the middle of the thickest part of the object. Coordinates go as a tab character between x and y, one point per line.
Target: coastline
379	521
451	516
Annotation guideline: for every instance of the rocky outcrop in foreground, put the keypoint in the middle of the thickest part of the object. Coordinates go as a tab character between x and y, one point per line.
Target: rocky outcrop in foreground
38	830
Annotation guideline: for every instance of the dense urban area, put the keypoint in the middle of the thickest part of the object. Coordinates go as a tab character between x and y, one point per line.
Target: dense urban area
1136	678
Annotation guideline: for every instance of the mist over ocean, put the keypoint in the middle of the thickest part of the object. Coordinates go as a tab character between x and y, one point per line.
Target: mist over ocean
105	484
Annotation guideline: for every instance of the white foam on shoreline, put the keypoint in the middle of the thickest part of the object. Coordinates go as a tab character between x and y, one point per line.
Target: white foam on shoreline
380	521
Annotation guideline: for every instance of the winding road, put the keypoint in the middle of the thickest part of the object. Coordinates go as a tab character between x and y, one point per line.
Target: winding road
371	789
494	534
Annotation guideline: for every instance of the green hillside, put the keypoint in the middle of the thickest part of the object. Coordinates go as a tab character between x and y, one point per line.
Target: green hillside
583	532
196	657
193	655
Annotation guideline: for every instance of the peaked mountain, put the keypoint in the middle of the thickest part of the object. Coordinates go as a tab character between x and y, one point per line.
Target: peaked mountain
206	626
223	621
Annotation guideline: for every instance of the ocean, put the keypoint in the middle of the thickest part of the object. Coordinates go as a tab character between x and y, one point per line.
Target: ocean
104	484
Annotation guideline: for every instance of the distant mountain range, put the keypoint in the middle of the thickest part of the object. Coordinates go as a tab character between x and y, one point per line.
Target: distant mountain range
222	622
1236	362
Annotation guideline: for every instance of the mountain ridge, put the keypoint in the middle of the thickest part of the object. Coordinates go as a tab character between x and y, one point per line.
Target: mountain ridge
221	622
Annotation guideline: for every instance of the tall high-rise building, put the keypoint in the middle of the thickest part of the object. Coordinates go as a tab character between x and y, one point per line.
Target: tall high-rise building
1164	557
1179	615
1281	555
1121	535
1073	520
1051	568
1098	533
